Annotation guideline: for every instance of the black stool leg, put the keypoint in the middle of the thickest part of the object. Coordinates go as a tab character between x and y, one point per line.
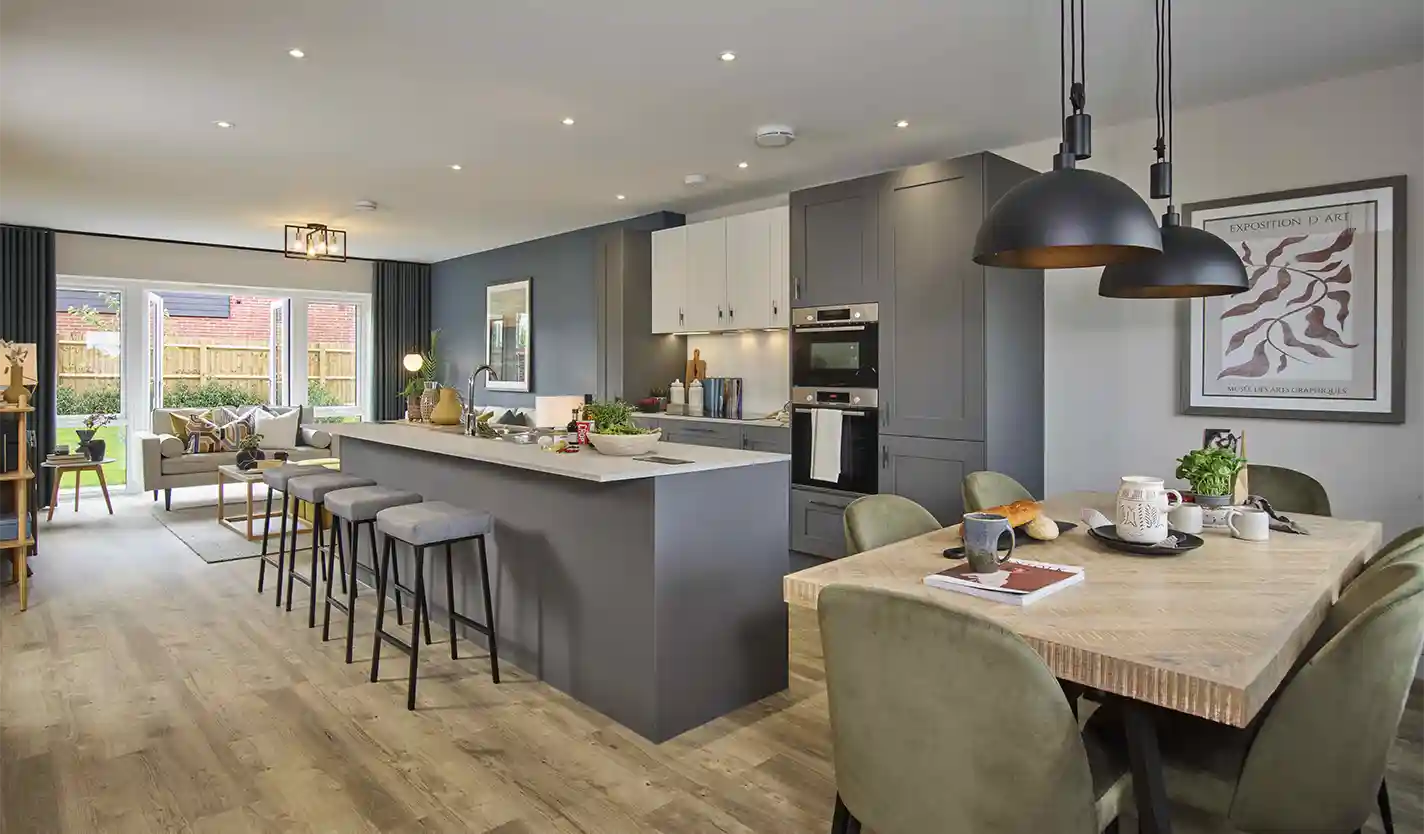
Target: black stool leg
489	611
266	531
415	625
1386	813
352	533
380	606
450	599
317	562
400	616
282	551
842	820
331	553
292	556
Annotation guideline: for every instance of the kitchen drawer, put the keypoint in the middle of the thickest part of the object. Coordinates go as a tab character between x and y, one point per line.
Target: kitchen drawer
724	435
766	439
818	522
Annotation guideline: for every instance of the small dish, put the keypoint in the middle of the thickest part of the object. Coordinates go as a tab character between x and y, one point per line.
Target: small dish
1184	542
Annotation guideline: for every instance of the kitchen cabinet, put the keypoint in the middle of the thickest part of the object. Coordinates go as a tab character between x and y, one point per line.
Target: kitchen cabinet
631	359
929	472
780	282
834	235
669	285
757	269
706	276
766	439
818	522
699	433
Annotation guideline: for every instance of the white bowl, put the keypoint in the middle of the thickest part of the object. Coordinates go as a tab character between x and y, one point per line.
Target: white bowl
625	445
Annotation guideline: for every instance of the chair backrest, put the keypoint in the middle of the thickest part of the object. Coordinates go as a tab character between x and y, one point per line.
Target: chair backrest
1288	491
1406	545
944	721
1319	756
982	490
873	521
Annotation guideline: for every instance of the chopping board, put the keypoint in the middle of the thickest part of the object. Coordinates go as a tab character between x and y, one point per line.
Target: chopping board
696	367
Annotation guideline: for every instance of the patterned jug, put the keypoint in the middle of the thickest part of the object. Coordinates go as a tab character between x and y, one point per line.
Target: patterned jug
1142	505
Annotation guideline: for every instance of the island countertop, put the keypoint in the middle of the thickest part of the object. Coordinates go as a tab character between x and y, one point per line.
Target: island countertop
586	465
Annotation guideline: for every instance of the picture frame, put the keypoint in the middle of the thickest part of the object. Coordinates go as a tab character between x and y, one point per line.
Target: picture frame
1320	333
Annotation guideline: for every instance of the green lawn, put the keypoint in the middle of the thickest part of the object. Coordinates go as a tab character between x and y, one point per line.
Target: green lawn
115	473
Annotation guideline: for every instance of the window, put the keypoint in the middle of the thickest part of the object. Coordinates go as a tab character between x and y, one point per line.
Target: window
334	388
89	339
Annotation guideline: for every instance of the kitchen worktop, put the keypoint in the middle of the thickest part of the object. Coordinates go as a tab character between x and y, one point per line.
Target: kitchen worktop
771	424
586	465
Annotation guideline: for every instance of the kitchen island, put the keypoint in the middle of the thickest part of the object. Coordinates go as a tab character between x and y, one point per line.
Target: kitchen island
650	592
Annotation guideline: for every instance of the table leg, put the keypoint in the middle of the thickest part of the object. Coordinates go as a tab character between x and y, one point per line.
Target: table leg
220	496
249	510
78	473
104	488
1145	760
57	474
21	556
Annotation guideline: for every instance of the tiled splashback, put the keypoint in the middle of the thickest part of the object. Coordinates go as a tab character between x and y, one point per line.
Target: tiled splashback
761	358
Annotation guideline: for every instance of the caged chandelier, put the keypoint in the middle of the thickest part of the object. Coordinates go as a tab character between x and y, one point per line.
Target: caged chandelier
315	242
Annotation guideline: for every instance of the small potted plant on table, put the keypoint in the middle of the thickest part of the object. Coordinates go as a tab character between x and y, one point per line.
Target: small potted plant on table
1212	474
92	424
248	452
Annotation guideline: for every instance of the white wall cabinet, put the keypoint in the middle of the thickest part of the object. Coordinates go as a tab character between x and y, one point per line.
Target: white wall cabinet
727	274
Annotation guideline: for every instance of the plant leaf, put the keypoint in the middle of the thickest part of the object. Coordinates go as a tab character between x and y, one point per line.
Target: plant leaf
1305	296
1256	276
1327	267
1281	247
1316	328
1256	366
1283	279
1320	256
1341	297
1344	276
1281	366
1246	253
1289	338
1239	337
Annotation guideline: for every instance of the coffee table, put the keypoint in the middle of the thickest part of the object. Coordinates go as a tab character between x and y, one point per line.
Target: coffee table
244	523
78	468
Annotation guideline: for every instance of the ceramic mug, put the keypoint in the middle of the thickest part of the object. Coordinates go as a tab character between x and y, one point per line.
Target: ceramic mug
1186	518
1142	505
982	532
1249	523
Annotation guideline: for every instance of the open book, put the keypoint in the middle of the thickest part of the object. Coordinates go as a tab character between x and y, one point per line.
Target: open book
1017	582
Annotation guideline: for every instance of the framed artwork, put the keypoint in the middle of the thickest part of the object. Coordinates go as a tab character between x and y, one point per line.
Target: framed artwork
1319	335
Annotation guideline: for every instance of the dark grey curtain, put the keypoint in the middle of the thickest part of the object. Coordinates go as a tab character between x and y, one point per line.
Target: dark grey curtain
27	315
402	313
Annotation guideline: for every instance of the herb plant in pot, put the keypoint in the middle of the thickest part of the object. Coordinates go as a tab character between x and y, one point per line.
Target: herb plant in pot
92	424
1212	474
614	432
248	452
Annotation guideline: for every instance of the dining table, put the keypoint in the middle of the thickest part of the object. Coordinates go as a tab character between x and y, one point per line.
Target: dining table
1210	632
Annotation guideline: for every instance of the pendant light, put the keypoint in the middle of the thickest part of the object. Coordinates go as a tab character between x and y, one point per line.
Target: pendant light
1069	217
1194	262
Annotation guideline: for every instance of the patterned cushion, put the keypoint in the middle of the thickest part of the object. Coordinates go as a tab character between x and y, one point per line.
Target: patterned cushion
203	435
231	433
179	423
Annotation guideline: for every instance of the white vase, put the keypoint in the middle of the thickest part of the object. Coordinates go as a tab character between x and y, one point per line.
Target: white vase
1142	505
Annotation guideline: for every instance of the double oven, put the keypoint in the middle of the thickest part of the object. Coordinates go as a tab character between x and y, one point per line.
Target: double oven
834	358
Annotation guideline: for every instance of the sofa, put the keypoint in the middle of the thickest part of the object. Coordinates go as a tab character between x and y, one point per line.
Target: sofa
167	466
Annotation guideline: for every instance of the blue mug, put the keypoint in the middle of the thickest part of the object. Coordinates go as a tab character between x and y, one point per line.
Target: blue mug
982	532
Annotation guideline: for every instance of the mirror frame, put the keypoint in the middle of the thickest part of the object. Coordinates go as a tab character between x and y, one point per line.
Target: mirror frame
527	383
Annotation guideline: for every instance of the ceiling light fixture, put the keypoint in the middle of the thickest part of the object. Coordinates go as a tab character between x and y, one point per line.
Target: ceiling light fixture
315	242
728	56
454	167
568	120
296	53
1194	262
902	123
222	124
620	196
742	164
1069	217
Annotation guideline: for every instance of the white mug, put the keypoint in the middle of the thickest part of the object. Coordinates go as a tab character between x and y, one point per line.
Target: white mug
1186	518
1255	525
1142	505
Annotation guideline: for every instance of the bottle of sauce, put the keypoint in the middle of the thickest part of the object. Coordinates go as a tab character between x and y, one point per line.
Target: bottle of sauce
572	435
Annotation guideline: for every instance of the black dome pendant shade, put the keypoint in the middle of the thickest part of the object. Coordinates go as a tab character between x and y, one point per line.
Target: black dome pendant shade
1193	264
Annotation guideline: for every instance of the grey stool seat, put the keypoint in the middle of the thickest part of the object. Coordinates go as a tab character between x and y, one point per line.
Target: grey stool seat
314	488
277	476
276	479
357	506
432	522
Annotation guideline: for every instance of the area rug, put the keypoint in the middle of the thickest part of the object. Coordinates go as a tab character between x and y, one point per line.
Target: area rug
198	528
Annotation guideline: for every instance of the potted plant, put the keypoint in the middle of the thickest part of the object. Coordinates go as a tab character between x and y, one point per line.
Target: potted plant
248	452
1212	474
411	392
92	424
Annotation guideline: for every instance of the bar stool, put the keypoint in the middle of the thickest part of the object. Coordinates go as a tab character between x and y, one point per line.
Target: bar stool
358	506
276	479
313	489
431	524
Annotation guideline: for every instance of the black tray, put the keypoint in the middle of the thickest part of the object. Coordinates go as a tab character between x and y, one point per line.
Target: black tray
1020	538
1108	536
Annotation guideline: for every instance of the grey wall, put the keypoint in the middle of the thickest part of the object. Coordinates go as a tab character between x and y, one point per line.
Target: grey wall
563	273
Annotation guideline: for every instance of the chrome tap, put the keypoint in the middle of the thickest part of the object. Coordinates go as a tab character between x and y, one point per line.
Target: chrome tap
470	416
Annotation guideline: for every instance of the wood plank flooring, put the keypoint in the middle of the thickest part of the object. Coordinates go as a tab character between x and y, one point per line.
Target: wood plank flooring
145	690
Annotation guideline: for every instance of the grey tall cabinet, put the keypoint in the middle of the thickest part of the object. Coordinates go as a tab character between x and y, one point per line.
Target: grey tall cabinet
961	345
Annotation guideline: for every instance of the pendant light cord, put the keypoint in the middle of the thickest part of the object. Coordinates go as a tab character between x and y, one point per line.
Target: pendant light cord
1063	65
1161	146
1171	66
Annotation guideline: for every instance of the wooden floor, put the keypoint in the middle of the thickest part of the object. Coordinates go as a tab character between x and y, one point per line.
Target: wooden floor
145	690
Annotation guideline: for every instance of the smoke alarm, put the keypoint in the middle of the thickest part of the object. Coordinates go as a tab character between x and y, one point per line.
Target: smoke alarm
774	136
695	179
365	205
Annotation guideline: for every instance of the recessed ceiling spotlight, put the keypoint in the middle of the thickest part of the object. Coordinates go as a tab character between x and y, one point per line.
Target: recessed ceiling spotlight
454	167
741	164
728	56
296	53
902	123
568	120
221	123
620	196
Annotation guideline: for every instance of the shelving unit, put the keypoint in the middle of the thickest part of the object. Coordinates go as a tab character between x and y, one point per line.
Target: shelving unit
18	549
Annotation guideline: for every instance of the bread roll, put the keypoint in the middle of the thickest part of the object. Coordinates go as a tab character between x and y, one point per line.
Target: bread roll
1042	528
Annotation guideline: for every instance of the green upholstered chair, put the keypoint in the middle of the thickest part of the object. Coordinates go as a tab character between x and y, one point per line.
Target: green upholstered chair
945	722
873	521
1314	760
982	490
1406	545
1288	491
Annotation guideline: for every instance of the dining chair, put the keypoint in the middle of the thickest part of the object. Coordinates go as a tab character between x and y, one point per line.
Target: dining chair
1406	545
942	721
1288	491
1313	761
982	490
873	521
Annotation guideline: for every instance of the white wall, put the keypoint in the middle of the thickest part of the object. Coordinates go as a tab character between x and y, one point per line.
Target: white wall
761	358
110	257
1111	365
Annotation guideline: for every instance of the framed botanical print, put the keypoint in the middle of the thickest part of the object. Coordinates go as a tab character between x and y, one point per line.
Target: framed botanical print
1319	334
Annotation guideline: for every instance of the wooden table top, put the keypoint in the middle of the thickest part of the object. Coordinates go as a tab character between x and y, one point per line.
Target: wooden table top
1211	632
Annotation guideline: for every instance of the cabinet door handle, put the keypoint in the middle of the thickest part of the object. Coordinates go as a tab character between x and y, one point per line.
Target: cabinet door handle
823	505
884	457
719	311
798	288
774	311
679	315
731	314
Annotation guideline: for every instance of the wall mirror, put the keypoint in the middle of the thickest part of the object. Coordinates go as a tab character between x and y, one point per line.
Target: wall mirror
508	325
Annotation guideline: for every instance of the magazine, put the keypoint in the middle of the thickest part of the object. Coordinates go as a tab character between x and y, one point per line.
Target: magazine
1017	582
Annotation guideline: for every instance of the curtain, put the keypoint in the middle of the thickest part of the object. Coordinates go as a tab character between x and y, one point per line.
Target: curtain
402	317
27	315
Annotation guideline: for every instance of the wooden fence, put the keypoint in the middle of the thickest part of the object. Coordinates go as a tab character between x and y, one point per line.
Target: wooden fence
82	368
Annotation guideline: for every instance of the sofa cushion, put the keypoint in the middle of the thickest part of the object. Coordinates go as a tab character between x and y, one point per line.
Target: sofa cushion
279	431
180	421
198	462
235	431
203	436
315	437
169	446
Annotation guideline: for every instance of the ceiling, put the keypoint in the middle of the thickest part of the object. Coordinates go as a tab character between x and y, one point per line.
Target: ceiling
107	106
